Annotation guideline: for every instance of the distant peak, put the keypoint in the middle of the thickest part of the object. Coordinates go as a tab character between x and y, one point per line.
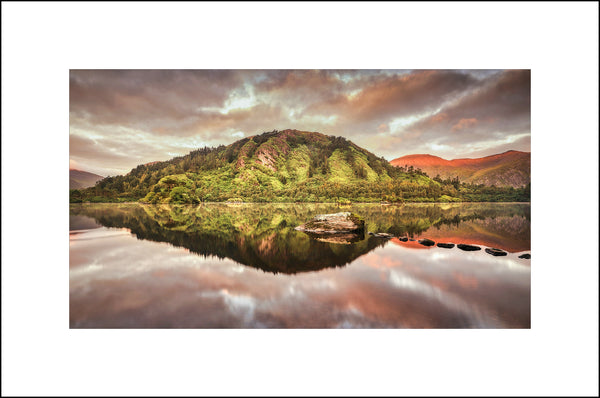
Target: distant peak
421	159
83	171
421	155
512	151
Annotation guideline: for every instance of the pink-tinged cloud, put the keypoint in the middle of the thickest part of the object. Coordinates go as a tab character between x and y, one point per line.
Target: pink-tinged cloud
383	128
464	124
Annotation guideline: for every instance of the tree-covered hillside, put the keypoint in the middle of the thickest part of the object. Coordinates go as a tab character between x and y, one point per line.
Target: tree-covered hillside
282	166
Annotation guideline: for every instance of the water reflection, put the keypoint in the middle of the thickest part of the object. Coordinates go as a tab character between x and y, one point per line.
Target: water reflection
122	282
263	236
134	266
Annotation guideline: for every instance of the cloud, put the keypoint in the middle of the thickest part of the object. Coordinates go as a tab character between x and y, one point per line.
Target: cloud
158	100
486	148
408	94
503	101
120	118
383	128
464	124
499	108
382	97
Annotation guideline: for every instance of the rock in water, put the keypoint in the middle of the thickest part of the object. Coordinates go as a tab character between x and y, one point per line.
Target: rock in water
468	248
446	245
382	235
403	239
495	252
336	223
426	242
526	256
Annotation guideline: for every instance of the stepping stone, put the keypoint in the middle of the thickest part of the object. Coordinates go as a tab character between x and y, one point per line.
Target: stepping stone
495	252
426	242
446	245
468	248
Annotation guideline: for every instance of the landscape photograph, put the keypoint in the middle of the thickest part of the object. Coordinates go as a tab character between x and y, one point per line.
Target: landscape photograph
300	198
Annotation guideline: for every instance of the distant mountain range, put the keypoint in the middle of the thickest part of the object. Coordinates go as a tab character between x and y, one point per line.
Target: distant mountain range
511	168
82	179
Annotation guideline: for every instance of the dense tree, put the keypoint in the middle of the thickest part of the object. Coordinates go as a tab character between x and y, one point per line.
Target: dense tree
217	174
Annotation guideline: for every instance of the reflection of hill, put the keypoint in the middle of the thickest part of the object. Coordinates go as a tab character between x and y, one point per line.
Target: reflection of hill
507	233
81	223
502	225
262	236
258	236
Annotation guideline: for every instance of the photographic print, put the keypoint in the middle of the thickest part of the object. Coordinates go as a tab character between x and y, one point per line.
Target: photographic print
294	199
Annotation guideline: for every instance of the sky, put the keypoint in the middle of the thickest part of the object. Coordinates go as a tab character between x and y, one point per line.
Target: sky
123	118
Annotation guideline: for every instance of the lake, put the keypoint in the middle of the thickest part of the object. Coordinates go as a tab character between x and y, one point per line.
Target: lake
219	265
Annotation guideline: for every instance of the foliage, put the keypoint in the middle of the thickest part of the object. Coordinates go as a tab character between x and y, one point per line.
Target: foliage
286	166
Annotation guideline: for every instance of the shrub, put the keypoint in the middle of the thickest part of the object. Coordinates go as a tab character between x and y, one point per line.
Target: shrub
179	195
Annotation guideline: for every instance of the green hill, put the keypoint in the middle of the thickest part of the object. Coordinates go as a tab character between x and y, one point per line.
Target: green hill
276	166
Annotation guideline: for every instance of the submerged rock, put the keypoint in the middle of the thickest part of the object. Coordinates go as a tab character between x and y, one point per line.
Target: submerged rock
468	248
446	245
335	223
381	235
495	252
341	239
412	240
426	242
525	256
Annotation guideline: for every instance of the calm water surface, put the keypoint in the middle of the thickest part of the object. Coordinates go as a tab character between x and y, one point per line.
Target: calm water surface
244	266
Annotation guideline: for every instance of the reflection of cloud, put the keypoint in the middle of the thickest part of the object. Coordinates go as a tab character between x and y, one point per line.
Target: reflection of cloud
114	282
377	261
240	306
448	300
